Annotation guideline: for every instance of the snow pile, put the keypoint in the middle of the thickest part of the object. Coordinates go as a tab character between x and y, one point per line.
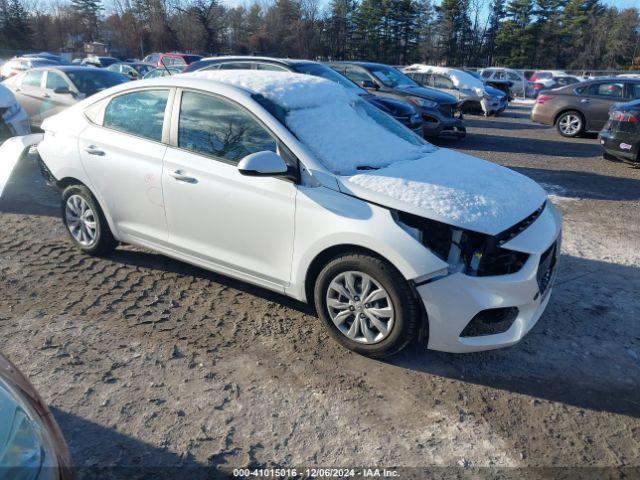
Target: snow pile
462	80
458	189
337	126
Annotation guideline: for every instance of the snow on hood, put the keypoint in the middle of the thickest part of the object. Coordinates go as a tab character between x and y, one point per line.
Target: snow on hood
7	98
452	188
343	131
460	79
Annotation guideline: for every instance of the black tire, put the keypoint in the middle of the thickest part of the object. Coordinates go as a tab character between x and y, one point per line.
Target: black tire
563	116
104	243
405	304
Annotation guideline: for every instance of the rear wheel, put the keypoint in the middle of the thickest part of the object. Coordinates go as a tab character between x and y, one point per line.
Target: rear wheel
366	305
570	124
85	222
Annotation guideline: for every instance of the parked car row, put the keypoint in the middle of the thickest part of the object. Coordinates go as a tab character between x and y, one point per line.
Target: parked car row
605	105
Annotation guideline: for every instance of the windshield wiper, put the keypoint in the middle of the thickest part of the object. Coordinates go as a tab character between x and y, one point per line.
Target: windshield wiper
366	167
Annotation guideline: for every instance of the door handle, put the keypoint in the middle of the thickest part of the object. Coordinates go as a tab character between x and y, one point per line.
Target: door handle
93	150
181	177
584	100
45	95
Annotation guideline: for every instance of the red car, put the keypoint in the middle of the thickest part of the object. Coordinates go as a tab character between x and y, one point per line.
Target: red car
31	443
171	59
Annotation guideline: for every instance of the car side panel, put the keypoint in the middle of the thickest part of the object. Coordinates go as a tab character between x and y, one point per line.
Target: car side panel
326	218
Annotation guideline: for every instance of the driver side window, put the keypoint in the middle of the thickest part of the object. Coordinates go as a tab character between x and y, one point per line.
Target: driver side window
217	128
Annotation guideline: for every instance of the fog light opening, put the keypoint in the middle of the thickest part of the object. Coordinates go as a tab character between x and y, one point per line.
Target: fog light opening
490	322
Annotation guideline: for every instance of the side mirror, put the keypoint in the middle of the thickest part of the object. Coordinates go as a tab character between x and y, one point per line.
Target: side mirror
262	164
62	91
368	84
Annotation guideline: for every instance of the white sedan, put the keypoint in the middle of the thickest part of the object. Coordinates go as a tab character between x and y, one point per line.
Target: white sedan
292	183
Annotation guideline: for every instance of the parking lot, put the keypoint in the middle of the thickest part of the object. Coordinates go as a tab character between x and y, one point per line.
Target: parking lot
148	361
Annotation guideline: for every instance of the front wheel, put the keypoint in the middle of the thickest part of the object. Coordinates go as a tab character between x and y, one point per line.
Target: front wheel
570	124
85	222
366	305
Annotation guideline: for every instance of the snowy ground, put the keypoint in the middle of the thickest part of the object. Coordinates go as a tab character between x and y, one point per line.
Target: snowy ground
149	362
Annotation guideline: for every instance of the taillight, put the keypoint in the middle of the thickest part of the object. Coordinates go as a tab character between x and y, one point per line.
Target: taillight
538	86
544	98
623	117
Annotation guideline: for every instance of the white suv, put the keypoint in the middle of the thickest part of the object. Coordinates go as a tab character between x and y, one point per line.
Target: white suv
293	183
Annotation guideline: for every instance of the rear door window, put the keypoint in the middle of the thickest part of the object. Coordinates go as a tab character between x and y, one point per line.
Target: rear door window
138	113
606	89
236	66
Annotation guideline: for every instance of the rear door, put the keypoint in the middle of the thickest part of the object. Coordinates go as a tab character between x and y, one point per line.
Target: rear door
596	100
123	155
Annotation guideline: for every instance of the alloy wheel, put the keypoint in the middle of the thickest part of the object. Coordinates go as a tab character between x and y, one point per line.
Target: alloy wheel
570	124
360	307
81	220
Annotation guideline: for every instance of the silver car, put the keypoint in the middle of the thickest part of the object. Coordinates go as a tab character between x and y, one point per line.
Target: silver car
43	92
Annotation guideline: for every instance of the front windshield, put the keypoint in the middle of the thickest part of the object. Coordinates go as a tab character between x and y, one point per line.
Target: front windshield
391	77
91	81
348	134
318	70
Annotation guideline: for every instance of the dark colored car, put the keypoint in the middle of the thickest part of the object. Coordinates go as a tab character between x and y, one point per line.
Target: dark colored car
583	107
31	443
43	92
620	137
179	60
404	112
440	111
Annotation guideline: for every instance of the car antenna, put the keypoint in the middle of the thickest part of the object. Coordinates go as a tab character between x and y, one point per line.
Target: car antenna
165	67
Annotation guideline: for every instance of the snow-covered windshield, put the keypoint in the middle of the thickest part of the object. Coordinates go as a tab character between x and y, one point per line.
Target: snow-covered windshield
344	132
391	77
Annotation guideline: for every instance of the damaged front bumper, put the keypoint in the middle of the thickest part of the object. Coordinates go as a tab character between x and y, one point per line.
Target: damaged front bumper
472	313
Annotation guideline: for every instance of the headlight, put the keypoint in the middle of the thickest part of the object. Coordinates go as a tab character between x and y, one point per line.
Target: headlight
28	452
421	102
468	252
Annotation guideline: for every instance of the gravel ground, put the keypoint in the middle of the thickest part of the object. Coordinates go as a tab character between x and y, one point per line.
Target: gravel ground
150	362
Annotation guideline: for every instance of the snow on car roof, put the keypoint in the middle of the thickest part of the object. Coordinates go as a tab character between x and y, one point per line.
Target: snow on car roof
460	79
287	89
343	131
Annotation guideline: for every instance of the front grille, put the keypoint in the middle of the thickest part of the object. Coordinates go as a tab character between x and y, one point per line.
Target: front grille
546	268
521	226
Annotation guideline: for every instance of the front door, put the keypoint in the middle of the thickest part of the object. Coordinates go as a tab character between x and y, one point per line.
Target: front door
123	159
240	225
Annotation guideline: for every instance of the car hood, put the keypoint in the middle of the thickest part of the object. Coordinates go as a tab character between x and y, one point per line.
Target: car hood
396	108
453	188
7	98
428	93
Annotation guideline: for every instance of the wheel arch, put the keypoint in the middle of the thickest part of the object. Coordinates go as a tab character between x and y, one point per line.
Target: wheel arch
570	109
323	257
69	181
